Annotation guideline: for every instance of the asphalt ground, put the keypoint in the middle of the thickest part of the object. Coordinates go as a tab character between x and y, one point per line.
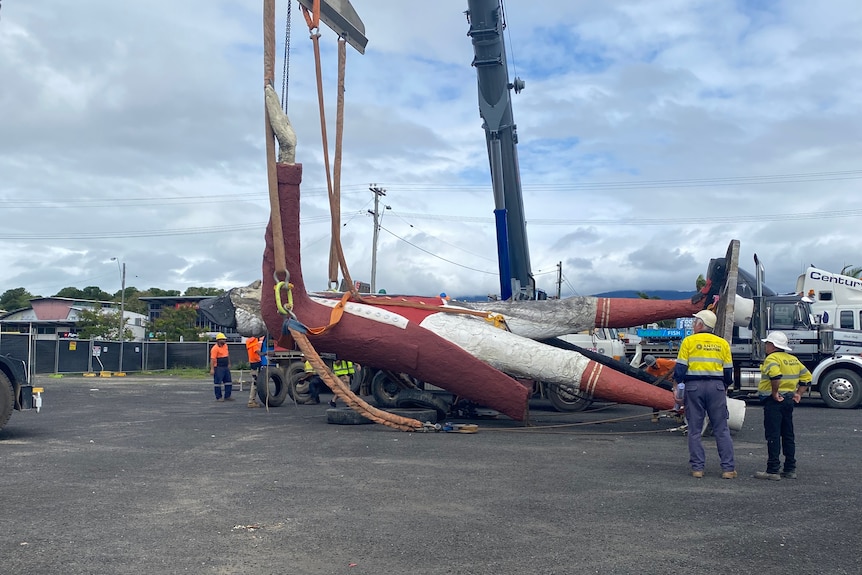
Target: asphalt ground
151	475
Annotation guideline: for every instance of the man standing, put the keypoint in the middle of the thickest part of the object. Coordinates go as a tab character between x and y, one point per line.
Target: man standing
783	380
705	365
343	370
315	384
220	368
252	347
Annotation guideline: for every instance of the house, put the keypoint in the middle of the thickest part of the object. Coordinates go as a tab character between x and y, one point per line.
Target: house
53	317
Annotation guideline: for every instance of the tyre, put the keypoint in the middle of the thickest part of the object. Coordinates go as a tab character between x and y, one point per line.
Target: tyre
423	399
356	381
346	416
841	388
565	398
7	399
385	388
272	388
298	382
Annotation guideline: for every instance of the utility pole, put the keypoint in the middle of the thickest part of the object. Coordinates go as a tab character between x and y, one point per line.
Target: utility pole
559	279
377	191
122	308
122	314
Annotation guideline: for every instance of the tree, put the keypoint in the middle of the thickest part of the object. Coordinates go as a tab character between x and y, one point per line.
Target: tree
132	302
92	293
16	298
699	282
176	323
70	292
199	291
101	324
156	292
853	272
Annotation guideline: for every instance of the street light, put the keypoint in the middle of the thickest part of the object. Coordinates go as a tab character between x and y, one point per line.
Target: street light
122	307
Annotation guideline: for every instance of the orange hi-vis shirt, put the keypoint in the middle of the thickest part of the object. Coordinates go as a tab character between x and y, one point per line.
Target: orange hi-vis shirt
663	368
220	356
252	346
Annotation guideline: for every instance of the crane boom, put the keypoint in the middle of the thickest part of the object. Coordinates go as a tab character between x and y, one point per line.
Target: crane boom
486	22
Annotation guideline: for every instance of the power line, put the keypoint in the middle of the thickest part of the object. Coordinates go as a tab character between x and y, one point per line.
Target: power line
713	219
436	239
620	185
435	255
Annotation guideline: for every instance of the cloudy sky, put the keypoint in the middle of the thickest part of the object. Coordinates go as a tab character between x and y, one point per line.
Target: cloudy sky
651	134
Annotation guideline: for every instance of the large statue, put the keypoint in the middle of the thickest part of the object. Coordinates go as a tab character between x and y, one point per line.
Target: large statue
472	350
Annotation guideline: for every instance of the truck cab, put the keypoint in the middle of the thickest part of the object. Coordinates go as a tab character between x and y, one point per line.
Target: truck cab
836	299
605	341
834	356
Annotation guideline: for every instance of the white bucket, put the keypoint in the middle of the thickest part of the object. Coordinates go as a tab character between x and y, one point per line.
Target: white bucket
735	419
743	309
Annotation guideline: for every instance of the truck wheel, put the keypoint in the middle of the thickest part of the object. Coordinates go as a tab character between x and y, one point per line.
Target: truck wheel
565	398
7	399
356	381
297	382
272	388
385	389
424	399
841	388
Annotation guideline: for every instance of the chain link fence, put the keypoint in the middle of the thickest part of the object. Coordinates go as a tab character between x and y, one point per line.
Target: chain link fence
62	355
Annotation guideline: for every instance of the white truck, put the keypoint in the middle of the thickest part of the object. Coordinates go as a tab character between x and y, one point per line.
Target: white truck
836	299
604	341
833	355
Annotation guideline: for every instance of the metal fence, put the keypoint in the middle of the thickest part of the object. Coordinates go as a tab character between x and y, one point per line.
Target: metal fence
80	356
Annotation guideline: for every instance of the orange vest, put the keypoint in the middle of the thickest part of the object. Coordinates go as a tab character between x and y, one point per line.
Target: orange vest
252	346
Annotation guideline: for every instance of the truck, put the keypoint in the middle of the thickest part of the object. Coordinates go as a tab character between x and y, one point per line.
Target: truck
833	355
836	298
16	394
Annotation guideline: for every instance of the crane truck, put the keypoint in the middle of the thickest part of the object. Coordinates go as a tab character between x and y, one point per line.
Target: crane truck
833	355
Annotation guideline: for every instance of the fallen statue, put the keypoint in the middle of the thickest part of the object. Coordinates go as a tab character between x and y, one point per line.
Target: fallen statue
474	350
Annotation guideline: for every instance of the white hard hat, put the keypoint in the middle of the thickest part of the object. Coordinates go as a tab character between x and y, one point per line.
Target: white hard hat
707	317
778	339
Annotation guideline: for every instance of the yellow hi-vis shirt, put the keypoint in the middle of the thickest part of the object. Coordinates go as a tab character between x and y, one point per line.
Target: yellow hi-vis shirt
785	366
705	355
343	367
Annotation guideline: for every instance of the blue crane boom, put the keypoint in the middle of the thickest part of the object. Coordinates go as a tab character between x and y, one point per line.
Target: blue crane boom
486	21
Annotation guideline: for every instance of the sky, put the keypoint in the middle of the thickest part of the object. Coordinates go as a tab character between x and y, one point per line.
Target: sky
651	134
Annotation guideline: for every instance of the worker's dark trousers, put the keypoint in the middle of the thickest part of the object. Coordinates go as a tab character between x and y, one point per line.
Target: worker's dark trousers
221	376
778	425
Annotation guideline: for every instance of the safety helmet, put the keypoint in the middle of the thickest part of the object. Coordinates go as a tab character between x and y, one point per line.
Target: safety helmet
778	339
220	335
649	360
707	317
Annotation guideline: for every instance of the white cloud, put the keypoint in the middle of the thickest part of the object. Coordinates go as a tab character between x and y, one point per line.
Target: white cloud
125	125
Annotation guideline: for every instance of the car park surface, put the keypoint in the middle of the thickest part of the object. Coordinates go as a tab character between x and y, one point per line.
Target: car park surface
151	475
